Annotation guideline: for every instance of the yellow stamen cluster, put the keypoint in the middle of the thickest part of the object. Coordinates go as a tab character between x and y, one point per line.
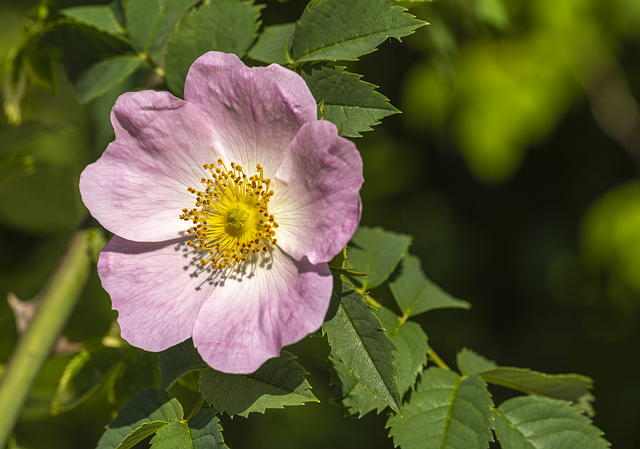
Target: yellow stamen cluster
231	218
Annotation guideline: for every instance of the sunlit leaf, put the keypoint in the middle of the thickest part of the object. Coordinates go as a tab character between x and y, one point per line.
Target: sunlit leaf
277	383
99	16
274	44
333	30
357	339
530	422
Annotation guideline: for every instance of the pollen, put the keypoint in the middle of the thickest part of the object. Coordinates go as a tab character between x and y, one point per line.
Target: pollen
231	218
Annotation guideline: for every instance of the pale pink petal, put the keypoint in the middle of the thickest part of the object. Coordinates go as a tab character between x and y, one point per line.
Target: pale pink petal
256	111
157	289
138	187
317	202
253	316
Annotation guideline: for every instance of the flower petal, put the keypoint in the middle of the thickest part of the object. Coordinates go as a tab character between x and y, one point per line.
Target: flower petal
157	289
253	316
316	201
138	187
256	111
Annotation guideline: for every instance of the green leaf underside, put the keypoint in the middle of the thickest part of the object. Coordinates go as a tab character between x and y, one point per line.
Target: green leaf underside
416	294
140	417
335	30
531	422
278	382
445	411
411	342
222	25
177	361
376	252
349	103
470	362
85	375
273	45
570	387
99	16
149	22
357	339
139	369
102	76
206	432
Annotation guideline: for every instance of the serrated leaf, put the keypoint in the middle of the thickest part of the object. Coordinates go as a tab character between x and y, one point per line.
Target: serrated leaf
357	338
446	412
278	382
570	387
349	103
470	362
138	370
274	44
104	75
140	417
530	422
99	16
149	22
177	361
172	436
411	342
415	293
222	25
206	432
85	375
376	252
333	30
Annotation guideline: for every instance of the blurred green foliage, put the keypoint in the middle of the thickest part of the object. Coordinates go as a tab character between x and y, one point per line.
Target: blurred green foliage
513	166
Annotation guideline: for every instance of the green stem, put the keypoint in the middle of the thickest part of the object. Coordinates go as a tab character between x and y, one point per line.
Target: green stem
435	358
58	298
196	408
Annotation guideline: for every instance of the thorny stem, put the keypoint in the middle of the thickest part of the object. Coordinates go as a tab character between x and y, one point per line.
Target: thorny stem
58	299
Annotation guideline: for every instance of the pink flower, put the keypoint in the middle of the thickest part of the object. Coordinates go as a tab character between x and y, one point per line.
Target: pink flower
226	208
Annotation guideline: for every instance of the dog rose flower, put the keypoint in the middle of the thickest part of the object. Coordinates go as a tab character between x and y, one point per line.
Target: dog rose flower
226	207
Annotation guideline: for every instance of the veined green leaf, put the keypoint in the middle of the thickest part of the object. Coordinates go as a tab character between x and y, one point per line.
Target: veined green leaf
445	412
177	361
85	375
376	252
206	432
102	76
415	293
530	422
278	382
349	103
334	30
149	22
469	362
357	339
222	25
140	417
99	16
274	44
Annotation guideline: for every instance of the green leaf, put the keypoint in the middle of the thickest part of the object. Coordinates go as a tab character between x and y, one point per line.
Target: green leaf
333	30
469	362
274	44
376	252
85	375
411	3
445	411
104	75
530	422
149	22
349	103
278	382
99	16
206	432
570	387
222	25
411	342
357	338
416	294
173	435
177	361
142	416
139	369
339	259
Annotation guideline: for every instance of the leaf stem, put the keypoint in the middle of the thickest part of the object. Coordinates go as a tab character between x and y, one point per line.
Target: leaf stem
196	408
58	299
435	358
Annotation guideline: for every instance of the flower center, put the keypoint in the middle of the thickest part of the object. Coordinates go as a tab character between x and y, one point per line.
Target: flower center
231	218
